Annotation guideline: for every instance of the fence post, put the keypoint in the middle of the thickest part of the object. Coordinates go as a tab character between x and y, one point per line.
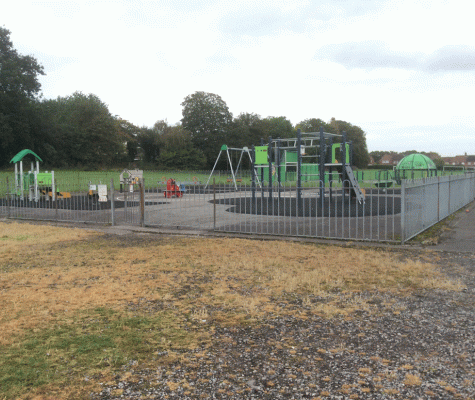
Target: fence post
449	196
54	186
8	198
299	171
142	202
403	210
438	199
112	203
214	204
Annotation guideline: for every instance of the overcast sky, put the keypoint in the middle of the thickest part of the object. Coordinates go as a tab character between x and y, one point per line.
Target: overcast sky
404	71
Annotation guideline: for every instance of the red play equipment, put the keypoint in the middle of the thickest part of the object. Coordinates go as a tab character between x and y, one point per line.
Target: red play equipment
172	189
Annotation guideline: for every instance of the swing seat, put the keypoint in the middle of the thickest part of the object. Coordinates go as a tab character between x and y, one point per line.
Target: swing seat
231	179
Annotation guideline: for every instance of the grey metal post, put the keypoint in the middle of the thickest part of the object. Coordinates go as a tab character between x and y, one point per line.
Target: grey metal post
322	163
344	178
214	203
8	198
54	198
212	171
403	210
112	202
299	169
142	202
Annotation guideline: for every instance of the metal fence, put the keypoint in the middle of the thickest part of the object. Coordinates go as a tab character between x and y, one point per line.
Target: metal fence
387	214
281	210
428	201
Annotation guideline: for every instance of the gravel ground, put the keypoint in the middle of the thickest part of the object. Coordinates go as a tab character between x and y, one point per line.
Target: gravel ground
416	347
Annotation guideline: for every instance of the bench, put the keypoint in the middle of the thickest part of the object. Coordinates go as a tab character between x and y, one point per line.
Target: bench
383	184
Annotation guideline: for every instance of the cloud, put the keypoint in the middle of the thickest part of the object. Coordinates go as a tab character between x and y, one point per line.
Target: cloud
369	55
451	58
268	17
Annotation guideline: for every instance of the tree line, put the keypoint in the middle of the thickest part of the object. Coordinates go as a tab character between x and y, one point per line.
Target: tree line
78	131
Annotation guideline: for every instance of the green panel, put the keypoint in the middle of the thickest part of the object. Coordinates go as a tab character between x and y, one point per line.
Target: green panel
291	156
261	155
44	179
338	145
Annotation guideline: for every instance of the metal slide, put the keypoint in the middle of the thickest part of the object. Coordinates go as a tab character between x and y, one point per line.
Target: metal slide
356	187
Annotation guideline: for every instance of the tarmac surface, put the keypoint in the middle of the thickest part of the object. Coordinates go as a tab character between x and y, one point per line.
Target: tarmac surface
459	234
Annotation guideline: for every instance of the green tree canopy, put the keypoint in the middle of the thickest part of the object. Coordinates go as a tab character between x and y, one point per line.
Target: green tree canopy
82	131
244	131
275	127
311	125
207	117
19	87
177	151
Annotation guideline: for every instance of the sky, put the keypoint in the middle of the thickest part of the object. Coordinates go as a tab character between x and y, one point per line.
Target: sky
402	70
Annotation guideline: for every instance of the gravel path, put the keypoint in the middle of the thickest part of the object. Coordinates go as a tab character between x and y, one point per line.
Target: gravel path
421	346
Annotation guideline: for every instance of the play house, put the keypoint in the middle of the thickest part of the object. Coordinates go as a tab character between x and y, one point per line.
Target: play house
34	184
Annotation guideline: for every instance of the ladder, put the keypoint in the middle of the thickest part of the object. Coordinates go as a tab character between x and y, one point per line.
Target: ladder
356	187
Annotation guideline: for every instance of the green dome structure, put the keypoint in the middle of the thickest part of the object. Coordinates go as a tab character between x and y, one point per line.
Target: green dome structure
415	166
416	161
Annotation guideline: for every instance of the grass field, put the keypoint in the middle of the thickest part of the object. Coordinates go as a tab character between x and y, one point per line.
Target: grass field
78	181
76	305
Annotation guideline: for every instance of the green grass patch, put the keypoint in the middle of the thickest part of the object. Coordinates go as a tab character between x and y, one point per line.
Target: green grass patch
88	344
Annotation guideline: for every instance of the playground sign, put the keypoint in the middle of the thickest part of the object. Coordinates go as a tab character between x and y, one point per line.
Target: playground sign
102	192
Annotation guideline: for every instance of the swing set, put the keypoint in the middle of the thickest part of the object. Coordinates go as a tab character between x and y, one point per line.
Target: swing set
231	154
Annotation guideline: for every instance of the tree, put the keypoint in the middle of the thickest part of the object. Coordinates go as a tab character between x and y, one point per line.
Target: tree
276	127
207	117
311	125
82	131
19	88
130	132
244	131
354	134
177	151
149	144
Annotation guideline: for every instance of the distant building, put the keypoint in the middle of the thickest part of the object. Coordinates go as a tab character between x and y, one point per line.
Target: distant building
390	159
457	160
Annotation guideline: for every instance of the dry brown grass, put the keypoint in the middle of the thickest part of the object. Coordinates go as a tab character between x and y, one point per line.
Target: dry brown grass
48	273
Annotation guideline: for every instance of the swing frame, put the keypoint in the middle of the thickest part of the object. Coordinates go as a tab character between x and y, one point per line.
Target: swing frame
226	149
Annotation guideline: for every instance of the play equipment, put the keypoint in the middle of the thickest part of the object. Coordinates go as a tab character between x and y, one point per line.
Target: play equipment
415	166
311	156
34	183
130	178
173	190
234	169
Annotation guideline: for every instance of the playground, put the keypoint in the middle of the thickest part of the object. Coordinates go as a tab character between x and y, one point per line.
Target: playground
303	186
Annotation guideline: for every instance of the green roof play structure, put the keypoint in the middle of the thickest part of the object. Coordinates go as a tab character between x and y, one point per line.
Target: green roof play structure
33	183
